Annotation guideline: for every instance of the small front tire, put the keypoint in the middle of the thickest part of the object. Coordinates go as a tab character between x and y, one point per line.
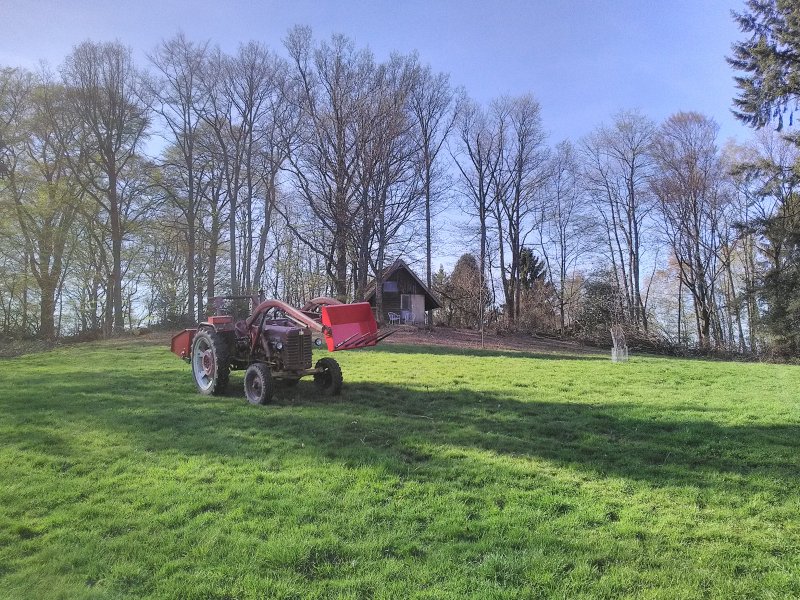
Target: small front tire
328	379
258	384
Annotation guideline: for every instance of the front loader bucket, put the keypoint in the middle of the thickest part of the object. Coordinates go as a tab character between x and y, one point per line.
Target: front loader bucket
349	326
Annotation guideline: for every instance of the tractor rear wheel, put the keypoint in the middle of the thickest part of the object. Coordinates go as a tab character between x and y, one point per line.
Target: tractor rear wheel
328	379
210	365
258	383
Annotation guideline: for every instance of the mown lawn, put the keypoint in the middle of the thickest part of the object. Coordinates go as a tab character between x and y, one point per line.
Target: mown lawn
437	474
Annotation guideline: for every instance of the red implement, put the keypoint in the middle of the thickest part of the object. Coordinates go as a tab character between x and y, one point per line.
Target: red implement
182	343
349	326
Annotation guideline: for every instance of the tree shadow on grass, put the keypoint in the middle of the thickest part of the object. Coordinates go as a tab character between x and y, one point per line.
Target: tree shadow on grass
623	440
425	434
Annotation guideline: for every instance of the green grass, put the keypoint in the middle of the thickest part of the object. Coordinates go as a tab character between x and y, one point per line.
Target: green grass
436	474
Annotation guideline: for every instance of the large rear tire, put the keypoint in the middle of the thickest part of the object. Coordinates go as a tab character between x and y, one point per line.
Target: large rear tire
210	366
258	383
329	378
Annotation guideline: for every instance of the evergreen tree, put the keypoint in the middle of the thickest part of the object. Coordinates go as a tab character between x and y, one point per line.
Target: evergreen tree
781	286
532	269
769	88
769	62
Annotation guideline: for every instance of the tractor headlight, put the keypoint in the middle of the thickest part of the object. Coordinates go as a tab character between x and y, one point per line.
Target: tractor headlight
279	345
318	343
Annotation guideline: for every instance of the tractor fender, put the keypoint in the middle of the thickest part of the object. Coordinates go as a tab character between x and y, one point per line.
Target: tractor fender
221	324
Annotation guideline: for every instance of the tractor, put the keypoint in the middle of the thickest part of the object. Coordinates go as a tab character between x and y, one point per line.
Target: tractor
275	343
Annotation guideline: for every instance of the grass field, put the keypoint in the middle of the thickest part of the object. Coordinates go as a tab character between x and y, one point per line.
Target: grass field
437	474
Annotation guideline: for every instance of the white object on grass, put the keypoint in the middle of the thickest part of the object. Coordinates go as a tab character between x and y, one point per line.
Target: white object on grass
619	351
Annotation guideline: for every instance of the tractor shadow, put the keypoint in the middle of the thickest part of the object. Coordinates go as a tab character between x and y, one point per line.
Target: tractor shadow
422	434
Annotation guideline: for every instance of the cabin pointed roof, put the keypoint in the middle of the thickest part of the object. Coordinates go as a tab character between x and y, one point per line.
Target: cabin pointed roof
431	301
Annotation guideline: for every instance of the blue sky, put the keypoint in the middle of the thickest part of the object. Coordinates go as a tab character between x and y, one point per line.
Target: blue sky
584	60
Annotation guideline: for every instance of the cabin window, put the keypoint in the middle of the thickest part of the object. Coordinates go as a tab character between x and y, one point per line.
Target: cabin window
390	286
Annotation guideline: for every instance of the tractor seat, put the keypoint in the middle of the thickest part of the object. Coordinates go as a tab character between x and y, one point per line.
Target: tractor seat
241	328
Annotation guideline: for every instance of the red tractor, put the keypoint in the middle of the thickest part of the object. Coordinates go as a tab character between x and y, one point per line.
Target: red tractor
275	343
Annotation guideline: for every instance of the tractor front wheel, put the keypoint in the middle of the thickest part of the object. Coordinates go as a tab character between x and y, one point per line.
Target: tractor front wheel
258	383
328	377
210	365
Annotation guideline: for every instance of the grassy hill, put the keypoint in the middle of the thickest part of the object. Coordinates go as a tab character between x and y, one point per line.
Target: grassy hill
438	473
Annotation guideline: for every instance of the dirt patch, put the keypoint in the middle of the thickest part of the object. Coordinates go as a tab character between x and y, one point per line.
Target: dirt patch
470	339
451	338
11	348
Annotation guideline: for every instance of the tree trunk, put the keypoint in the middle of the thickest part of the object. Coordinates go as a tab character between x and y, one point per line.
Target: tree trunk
379	291
213	247
116	253
680	308
428	247
47	290
24	325
232	234
190	254
269	202
340	282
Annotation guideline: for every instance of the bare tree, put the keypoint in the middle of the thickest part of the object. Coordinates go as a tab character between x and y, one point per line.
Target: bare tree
688	185
179	102
743	199
274	134
618	168
332	82
210	171
251	84
220	118
477	160
517	181
434	107
107	94
566	232
244	99
390	174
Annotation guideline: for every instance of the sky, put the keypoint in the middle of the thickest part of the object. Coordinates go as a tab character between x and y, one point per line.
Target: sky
584	60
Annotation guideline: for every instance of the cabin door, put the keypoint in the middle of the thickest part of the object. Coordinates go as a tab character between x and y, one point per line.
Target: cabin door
418	308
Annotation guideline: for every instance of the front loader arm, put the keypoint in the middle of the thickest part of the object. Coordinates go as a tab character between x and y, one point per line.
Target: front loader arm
344	326
298	316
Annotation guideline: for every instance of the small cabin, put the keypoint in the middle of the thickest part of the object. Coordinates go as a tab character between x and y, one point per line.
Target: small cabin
406	299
